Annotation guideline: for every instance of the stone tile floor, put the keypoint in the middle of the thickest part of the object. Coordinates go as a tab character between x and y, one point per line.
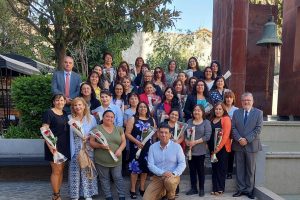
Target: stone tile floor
41	190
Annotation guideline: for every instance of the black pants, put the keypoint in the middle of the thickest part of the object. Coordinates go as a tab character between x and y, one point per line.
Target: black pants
196	165
230	162
219	170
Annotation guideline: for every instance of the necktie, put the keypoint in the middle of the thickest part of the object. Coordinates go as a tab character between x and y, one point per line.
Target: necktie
67	85
245	117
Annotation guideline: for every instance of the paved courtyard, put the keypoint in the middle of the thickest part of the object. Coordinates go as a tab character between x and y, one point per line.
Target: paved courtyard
41	190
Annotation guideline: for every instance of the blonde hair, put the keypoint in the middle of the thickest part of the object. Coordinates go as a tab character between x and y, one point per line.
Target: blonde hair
86	111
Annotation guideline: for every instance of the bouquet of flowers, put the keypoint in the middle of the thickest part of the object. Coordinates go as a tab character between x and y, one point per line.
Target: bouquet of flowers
147	133
133	69
190	137
180	127
217	140
110	74
208	107
182	99
97	116
161	115
153	101
49	137
101	138
76	127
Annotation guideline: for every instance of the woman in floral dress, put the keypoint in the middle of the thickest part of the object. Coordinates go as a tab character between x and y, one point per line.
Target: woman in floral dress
136	131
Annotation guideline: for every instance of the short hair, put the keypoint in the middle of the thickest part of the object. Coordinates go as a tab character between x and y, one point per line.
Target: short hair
164	125
202	110
107	92
229	94
107	53
56	96
138	58
247	94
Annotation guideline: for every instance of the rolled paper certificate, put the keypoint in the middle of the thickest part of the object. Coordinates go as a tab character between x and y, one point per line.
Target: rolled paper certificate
227	75
76	127
101	138
189	72
150	102
162	116
191	137
179	129
208	107
49	137
151	131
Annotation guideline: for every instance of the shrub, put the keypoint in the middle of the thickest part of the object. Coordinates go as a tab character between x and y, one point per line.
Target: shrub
20	132
32	96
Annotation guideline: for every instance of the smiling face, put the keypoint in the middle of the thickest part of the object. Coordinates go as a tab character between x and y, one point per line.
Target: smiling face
192	63
94	79
208	73
108	59
192	82
174	116
105	99
178	87
142	109
182	77
200	87
59	103
169	94
121	72
98	69
164	136
214	68
108	118
172	66
149	89
133	101
219	112
148	76
197	113
247	102
126	83
220	83
86	90
78	107
119	90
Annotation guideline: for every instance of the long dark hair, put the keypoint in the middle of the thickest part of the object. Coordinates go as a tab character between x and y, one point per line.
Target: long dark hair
175	83
174	101
93	94
170	64
213	114
215	83
89	78
102	78
123	96
163	76
197	64
205	92
219	72
137	115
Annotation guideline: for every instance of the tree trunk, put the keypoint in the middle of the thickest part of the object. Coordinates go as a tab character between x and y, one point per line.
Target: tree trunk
60	53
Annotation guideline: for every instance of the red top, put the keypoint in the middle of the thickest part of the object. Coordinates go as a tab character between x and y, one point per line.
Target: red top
167	107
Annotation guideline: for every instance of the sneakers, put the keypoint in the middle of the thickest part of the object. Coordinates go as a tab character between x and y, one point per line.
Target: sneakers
191	192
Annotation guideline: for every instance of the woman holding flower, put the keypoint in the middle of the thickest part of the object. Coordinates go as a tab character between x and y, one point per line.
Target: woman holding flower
105	164
136	130
221	128
57	120
79	182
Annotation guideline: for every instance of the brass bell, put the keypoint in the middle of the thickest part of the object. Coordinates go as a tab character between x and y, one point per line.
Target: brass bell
269	37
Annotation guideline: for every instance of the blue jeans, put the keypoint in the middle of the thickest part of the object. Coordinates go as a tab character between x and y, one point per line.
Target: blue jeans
105	179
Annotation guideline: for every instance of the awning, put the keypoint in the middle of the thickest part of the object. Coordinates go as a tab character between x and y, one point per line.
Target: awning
6	62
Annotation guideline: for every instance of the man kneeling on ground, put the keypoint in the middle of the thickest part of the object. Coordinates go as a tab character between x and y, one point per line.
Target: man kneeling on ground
167	162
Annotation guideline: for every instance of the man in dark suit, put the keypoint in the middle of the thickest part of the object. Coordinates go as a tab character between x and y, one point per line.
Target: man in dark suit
66	82
246	127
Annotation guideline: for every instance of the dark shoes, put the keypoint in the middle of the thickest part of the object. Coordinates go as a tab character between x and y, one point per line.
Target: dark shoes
201	193
192	191
238	194
133	195
142	192
229	176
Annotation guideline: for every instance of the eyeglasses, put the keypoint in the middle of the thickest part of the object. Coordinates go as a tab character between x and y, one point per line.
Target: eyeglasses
157	72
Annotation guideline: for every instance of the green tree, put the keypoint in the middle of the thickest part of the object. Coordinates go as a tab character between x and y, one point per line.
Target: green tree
71	22
17	37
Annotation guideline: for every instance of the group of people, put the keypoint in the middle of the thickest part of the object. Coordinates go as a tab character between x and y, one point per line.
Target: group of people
138	112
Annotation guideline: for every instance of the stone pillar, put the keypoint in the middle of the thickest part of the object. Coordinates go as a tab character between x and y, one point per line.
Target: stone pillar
237	26
289	77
